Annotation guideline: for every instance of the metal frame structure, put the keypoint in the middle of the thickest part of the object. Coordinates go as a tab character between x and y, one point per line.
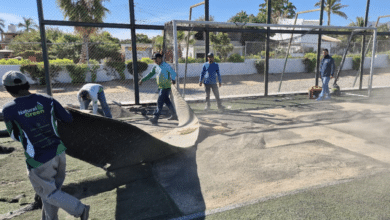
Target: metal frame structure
289	44
223	25
187	48
133	27
364	52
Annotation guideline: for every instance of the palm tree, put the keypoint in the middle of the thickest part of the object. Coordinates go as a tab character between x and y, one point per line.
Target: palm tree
333	7
91	11
28	24
359	22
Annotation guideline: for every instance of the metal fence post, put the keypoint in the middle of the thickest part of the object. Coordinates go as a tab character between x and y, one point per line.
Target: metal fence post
364	46
266	69
134	52
206	18
44	48
319	43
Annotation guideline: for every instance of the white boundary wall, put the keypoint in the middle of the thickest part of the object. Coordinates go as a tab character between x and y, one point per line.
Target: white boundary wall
194	69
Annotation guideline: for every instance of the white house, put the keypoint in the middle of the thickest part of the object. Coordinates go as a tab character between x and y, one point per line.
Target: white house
197	49
307	42
6	38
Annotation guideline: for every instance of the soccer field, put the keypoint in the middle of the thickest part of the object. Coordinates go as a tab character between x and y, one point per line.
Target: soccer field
276	157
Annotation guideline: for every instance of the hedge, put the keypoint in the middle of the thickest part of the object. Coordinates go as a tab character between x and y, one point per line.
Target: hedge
77	72
141	67
14	62
260	65
37	71
119	66
310	61
236	58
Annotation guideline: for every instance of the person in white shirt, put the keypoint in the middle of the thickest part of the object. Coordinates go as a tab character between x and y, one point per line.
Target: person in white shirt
93	92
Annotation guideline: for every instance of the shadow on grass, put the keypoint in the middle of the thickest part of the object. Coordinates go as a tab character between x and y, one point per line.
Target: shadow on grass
164	189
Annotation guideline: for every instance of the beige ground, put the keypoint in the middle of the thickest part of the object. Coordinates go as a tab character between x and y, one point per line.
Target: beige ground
246	156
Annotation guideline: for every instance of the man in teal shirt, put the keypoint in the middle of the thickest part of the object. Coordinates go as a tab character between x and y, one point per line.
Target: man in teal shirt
165	75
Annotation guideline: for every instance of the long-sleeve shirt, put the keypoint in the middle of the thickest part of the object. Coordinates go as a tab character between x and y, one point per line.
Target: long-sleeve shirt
165	74
209	73
93	90
32	120
327	66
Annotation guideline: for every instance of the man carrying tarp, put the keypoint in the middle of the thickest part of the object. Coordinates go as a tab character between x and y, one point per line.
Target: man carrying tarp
32	120
165	76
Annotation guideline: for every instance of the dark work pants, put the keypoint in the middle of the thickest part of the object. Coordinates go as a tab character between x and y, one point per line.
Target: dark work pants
163	97
214	87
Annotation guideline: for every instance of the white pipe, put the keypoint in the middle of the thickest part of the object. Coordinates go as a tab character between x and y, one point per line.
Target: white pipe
289	44
374	42
237	24
175	54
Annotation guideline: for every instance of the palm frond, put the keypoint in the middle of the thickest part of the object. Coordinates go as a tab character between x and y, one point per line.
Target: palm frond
341	14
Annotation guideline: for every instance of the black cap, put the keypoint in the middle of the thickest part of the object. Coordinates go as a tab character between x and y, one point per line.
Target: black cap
210	55
154	56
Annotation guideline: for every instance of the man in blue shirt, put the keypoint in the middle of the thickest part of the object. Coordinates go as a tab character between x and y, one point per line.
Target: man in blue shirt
209	75
32	120
327	70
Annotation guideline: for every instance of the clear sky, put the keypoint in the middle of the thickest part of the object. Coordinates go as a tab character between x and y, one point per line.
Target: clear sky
157	12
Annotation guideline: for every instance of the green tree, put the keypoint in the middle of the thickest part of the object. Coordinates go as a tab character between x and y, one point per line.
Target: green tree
53	34
143	39
358	23
91	11
181	39
21	42
333	7
280	9
383	28
125	41
158	42
202	18
199	35
29	43
104	45
221	43
28	24
243	17
66	46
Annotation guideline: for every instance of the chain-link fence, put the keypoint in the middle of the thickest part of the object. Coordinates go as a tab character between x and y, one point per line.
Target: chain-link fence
106	63
241	57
